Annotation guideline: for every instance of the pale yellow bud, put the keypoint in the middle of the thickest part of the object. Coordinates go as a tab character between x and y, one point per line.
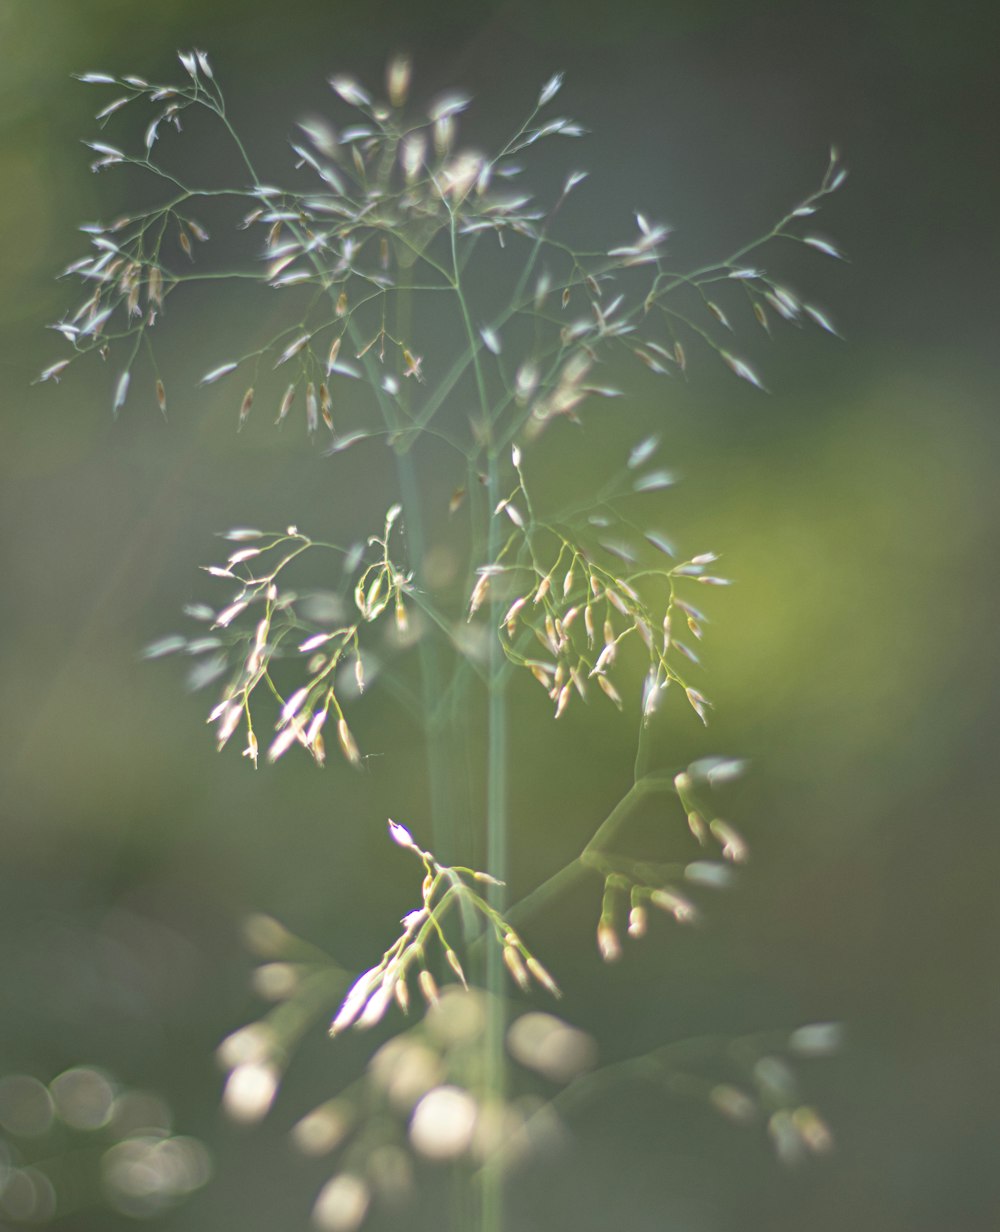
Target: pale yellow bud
428	987
608	943
347	743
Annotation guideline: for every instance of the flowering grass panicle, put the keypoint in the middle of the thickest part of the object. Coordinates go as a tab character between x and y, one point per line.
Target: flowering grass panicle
386	221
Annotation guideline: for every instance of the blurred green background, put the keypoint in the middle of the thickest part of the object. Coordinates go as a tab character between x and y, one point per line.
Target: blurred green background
854	662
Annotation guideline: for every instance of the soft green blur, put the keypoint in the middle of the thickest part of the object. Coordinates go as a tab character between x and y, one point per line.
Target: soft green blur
853	662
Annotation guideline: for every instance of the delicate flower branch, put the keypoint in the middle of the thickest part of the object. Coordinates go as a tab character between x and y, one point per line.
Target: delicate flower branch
443	889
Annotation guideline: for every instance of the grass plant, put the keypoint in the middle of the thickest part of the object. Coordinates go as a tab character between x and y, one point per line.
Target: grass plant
424	294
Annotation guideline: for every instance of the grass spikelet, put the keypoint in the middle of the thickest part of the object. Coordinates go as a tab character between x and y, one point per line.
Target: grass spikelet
348	746
743	370
428	987
609	944
397	82
245	406
515	965
286	403
121	391
293	349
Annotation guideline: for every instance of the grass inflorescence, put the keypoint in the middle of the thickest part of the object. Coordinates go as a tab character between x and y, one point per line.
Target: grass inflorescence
387	217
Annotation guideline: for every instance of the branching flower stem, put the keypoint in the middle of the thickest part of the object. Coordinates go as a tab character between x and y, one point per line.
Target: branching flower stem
577	869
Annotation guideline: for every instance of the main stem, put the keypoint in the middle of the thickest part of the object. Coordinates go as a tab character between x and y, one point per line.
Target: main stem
491	1215
436	719
491	1184
439	764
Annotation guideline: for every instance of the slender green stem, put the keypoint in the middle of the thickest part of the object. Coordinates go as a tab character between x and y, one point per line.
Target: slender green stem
567	876
491	1191
438	736
496	863
436	717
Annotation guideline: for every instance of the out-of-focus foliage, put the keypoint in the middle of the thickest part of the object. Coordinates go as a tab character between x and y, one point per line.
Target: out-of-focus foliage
82	1144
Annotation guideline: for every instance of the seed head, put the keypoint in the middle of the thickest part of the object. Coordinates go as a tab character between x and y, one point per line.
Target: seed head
699	703
813	1130
682	910
510	620
588	621
428	987
541	675
456	966
479	593
637	919
376	1005
154	286
413	150
733	844
401	835
608	942
245	406
515	965
563	701
698	828
315	727
347	743
543	977
250	1091
326	406
354	1002
610	690
286	403
230	721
